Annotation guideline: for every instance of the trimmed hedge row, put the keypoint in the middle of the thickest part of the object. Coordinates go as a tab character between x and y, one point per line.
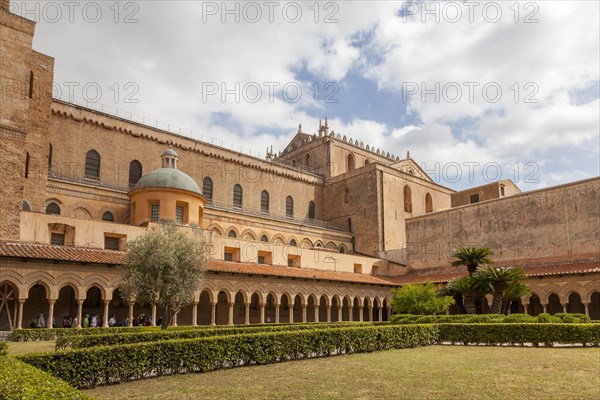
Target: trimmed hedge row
490	318
496	333
3	348
87	368
19	380
23	335
81	342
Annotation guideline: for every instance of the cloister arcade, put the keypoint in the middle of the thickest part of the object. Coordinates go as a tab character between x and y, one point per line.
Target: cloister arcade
219	302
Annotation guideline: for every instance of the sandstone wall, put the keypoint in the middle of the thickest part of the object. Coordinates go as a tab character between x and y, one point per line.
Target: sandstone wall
558	222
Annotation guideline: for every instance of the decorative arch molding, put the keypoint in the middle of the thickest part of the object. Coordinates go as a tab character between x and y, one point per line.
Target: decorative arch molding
572	287
99	281
306	243
588	289
248	232
236	230
261	296
327	299
43	278
313	296
206	290
331	245
263	233
551	289
278	239
216	228
73	209
289	297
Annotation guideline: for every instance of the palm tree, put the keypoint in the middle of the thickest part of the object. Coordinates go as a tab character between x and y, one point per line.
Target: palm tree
514	291
498	279
471	290
458	299
472	257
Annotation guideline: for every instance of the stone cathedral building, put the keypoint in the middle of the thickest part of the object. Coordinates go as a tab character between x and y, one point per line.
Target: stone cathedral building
318	232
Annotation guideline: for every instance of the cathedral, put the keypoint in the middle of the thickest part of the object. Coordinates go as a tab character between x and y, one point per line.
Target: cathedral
319	231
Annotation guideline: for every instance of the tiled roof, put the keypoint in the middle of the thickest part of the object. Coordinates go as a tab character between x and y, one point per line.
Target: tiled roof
61	253
99	256
299	273
562	268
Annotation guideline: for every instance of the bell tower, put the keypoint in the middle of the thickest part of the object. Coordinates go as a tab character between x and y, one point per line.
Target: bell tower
25	111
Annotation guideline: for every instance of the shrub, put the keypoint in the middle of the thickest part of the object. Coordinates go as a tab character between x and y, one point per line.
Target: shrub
547	333
545	318
490	318
572	318
112	364
80	342
19	380
3	348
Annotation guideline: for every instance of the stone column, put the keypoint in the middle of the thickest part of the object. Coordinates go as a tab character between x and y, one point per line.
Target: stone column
20	316
340	313
195	313
79	312
50	312
247	322
106	303
304	313
153	315
316	313
525	304
564	307
213	313
262	313
350	313
586	306
277	313
175	319
328	313
130	321
291	308
360	313
371	313
545	307
230	304
389	313
380	312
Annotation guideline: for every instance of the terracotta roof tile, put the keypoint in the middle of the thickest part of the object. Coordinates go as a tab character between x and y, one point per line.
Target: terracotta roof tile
300	273
100	256
562	268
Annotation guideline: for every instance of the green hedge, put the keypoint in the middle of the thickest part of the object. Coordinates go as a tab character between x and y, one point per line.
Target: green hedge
21	381
495	333
81	342
489	318
3	348
113	364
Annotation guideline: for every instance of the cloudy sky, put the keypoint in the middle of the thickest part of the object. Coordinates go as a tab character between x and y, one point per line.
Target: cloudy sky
476	91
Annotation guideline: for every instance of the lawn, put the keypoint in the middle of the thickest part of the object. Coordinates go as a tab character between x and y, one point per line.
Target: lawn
18	348
433	372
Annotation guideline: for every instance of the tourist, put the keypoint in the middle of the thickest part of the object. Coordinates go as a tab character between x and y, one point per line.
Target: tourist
112	321
94	322
66	323
86	321
40	323
268	320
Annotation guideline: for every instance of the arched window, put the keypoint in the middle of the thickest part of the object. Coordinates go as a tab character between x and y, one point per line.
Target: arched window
237	196
207	189
289	207
135	172
108	216
92	165
26	206
231	234
264	238
52	209
27	165
50	159
367	162
293	163
428	203
350	163
311	210
307	160
407	199
264	201
342	249
293	243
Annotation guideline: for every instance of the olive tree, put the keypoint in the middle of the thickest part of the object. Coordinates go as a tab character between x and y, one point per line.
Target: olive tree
164	266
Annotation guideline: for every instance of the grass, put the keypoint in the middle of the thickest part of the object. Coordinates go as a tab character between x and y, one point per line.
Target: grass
18	348
434	372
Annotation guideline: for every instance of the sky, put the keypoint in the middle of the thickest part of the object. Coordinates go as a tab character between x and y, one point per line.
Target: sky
476	91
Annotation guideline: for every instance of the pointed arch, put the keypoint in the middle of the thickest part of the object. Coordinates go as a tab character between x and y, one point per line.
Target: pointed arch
407	199
428	203
92	165
350	162
207	189
135	173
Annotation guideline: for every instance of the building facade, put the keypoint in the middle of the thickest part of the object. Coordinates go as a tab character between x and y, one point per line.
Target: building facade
320	231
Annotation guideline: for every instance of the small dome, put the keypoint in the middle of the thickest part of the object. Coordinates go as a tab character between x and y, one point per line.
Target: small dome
168	178
170	152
